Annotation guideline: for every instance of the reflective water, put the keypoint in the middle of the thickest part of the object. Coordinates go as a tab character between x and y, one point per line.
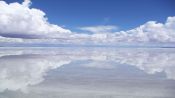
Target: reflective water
87	73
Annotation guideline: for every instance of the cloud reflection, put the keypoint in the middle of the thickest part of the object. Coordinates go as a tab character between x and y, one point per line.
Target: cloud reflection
150	61
20	68
17	72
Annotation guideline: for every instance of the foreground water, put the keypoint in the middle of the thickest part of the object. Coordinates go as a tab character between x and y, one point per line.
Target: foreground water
87	73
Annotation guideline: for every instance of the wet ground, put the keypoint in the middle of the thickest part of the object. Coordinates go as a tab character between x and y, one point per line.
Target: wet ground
87	72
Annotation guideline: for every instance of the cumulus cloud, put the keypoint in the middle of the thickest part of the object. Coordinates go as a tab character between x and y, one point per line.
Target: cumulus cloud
150	32
19	23
27	3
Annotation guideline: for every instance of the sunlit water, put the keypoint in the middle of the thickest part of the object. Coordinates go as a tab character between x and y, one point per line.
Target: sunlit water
87	73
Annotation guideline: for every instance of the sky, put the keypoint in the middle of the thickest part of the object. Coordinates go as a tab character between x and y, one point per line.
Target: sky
126	14
87	21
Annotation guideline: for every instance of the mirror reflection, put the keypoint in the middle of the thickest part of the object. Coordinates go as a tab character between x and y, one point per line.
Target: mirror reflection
87	72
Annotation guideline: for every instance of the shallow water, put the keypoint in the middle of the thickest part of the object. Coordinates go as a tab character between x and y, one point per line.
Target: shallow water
87	73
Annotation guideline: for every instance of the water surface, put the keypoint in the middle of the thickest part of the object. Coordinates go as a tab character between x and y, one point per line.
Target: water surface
87	73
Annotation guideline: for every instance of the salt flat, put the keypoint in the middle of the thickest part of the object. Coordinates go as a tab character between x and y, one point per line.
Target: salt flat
87	72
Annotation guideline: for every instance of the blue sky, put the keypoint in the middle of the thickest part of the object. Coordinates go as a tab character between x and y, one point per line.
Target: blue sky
126	14
85	22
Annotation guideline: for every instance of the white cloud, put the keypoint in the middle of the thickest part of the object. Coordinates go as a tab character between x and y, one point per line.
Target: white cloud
18	20
4	39
27	3
150	32
21	24
100	28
